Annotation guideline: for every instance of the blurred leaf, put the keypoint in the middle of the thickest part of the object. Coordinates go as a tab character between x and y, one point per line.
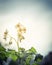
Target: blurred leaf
32	50
11	51
28	59
38	57
2	48
2	55
39	60
21	49
13	57
35	63
21	55
12	54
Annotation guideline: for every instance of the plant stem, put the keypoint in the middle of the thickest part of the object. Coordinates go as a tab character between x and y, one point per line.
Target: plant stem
15	41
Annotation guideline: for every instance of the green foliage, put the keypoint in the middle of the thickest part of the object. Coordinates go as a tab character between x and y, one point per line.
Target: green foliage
35	63
2	52
22	55
39	60
28	59
2	55
2	48
21	49
13	57
12	54
32	50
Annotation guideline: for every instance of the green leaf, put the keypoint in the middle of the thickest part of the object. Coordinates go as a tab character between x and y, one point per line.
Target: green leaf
28	59
35	63
39	60
11	51
2	55
21	49
13	57
2	48
32	50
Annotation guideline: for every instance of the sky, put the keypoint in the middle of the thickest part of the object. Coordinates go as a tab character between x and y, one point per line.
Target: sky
35	15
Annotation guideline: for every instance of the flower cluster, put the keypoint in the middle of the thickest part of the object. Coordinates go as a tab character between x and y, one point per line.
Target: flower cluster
20	30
